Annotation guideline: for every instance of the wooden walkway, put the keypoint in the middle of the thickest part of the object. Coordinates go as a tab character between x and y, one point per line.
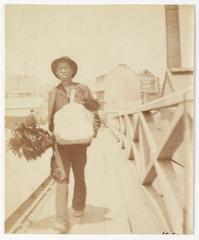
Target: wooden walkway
116	202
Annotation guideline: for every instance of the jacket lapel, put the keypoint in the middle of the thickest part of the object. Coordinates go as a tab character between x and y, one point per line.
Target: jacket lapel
52	98
62	90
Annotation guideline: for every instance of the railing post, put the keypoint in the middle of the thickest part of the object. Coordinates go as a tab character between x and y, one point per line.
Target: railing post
129	138
122	131
188	169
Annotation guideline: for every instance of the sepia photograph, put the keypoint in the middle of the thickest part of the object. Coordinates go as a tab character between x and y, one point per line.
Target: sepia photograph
99	119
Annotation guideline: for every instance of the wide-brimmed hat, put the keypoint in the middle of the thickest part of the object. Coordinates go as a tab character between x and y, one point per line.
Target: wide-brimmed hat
66	59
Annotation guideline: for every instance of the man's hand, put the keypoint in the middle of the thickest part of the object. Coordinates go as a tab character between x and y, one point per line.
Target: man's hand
79	100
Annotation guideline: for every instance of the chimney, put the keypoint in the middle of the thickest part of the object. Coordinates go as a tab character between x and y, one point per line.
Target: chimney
173	36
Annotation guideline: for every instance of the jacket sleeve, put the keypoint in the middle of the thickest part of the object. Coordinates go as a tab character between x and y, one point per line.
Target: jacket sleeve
89	102
51	105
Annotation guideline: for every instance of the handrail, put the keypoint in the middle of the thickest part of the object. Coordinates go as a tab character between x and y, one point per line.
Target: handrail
154	136
163	102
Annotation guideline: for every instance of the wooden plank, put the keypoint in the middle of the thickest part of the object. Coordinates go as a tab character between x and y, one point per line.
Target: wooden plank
127	141
144	151
177	184
189	109
129	149
149	137
14	222
162	102
130	137
188	173
124	123
43	218
147	221
167	83
168	147
135	145
173	136
121	125
137	159
129	127
159	206
174	211
135	132
170	142
170	100
148	151
122	130
150	174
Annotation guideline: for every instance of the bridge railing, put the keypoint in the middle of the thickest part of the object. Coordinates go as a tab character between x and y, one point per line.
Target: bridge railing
157	137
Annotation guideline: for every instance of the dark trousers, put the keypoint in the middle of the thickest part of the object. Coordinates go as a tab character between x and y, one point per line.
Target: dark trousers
75	156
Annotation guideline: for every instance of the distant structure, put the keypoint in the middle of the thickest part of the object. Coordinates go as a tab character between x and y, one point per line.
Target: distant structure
21	86
149	86
123	88
22	94
117	89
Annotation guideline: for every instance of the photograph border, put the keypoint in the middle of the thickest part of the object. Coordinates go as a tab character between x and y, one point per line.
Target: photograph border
196	149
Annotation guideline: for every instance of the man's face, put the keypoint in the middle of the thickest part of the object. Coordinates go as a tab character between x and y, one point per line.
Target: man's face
64	71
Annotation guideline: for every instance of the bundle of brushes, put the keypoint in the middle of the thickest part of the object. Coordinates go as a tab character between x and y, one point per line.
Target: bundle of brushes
29	140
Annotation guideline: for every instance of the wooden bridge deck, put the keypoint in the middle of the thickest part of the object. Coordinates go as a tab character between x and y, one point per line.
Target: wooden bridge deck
116	201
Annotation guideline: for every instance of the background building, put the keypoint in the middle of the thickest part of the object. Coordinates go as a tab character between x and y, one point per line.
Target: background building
117	89
21	86
23	95
123	88
149	86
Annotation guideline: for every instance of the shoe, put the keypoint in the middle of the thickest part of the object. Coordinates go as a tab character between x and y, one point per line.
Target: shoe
78	213
62	227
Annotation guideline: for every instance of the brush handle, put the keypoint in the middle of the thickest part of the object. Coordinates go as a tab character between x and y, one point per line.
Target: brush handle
72	96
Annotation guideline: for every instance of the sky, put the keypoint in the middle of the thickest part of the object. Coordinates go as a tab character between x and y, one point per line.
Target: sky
98	38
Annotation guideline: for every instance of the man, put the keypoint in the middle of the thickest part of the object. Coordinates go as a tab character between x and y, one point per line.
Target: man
73	155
